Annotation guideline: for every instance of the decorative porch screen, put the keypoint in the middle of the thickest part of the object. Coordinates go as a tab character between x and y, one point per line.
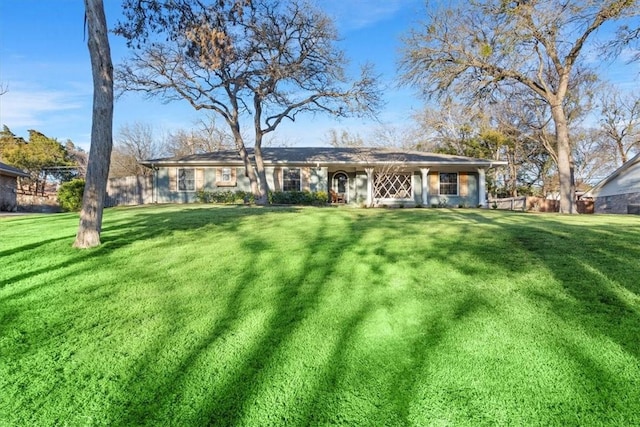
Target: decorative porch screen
392	186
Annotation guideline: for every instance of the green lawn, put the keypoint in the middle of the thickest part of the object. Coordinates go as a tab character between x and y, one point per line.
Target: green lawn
197	315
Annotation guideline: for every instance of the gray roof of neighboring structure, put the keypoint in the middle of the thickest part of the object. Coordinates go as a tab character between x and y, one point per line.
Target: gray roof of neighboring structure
326	156
11	171
596	188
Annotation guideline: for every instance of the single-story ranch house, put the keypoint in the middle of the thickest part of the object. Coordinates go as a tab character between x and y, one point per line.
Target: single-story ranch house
620	191
356	176
8	186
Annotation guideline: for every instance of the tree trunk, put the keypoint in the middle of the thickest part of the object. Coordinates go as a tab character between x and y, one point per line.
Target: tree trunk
262	198
563	150
101	127
244	155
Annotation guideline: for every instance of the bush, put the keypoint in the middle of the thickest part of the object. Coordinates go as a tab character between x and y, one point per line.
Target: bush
225	197
317	198
70	195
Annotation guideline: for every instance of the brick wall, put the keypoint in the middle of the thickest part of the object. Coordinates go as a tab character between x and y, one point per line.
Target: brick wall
618	203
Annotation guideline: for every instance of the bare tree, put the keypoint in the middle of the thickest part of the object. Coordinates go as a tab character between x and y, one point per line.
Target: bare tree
134	142
474	47
88	234
620	125
344	138
205	138
262	61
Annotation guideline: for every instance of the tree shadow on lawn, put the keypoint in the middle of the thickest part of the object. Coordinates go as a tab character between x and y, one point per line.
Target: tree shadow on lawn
599	271
232	401
301	295
336	380
294	300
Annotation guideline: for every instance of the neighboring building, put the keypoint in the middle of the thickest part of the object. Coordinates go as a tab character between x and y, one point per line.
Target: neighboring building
620	191
356	176
8	186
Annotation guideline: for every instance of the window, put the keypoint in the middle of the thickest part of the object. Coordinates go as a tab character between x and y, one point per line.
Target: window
186	179
291	179
449	184
226	174
225	177
392	186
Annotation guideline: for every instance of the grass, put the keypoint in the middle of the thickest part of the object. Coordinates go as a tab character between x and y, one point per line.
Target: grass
198	315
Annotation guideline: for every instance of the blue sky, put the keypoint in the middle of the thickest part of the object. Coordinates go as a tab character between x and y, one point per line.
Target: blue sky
44	64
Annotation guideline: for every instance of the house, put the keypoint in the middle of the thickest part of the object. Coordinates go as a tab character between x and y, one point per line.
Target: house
8	186
355	176
620	191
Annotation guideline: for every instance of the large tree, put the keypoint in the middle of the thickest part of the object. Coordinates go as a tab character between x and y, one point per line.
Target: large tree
205	137
90	226
40	156
474	47
620	125
133	143
263	61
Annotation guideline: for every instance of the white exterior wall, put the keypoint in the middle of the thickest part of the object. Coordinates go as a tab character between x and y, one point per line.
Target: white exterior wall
626	182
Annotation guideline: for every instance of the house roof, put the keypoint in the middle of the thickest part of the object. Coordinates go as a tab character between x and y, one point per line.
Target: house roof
5	169
327	156
621	170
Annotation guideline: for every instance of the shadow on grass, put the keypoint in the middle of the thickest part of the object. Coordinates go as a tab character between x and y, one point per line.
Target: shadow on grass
503	249
337	381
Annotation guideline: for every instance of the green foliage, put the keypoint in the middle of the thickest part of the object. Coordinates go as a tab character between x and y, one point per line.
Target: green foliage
39	156
309	198
196	315
70	194
302	198
225	197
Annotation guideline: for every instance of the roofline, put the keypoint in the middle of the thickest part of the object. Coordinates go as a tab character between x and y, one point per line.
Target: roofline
635	159
488	164
13	172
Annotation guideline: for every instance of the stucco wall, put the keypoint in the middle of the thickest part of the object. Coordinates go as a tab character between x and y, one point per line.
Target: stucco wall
466	198
8	185
318	180
166	194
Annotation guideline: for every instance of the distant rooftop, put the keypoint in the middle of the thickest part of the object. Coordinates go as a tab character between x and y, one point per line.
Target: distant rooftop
5	169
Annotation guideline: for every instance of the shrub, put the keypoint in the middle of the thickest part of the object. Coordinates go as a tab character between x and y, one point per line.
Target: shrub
317	198
225	197
70	195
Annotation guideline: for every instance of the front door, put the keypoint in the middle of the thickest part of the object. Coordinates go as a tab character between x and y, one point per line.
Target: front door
341	186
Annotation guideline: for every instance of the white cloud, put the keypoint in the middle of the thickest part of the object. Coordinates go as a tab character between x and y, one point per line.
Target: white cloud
32	108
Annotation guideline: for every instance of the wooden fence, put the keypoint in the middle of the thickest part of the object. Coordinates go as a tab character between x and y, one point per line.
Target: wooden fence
130	190
537	204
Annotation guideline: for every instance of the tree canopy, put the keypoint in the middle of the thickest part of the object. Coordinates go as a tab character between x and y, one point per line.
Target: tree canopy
254	64
40	156
472	49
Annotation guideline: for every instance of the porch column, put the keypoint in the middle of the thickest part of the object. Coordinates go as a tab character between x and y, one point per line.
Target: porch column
482	188
425	186
369	172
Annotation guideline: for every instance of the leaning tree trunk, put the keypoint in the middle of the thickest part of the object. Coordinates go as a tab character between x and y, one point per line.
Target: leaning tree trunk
101	127
565	175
